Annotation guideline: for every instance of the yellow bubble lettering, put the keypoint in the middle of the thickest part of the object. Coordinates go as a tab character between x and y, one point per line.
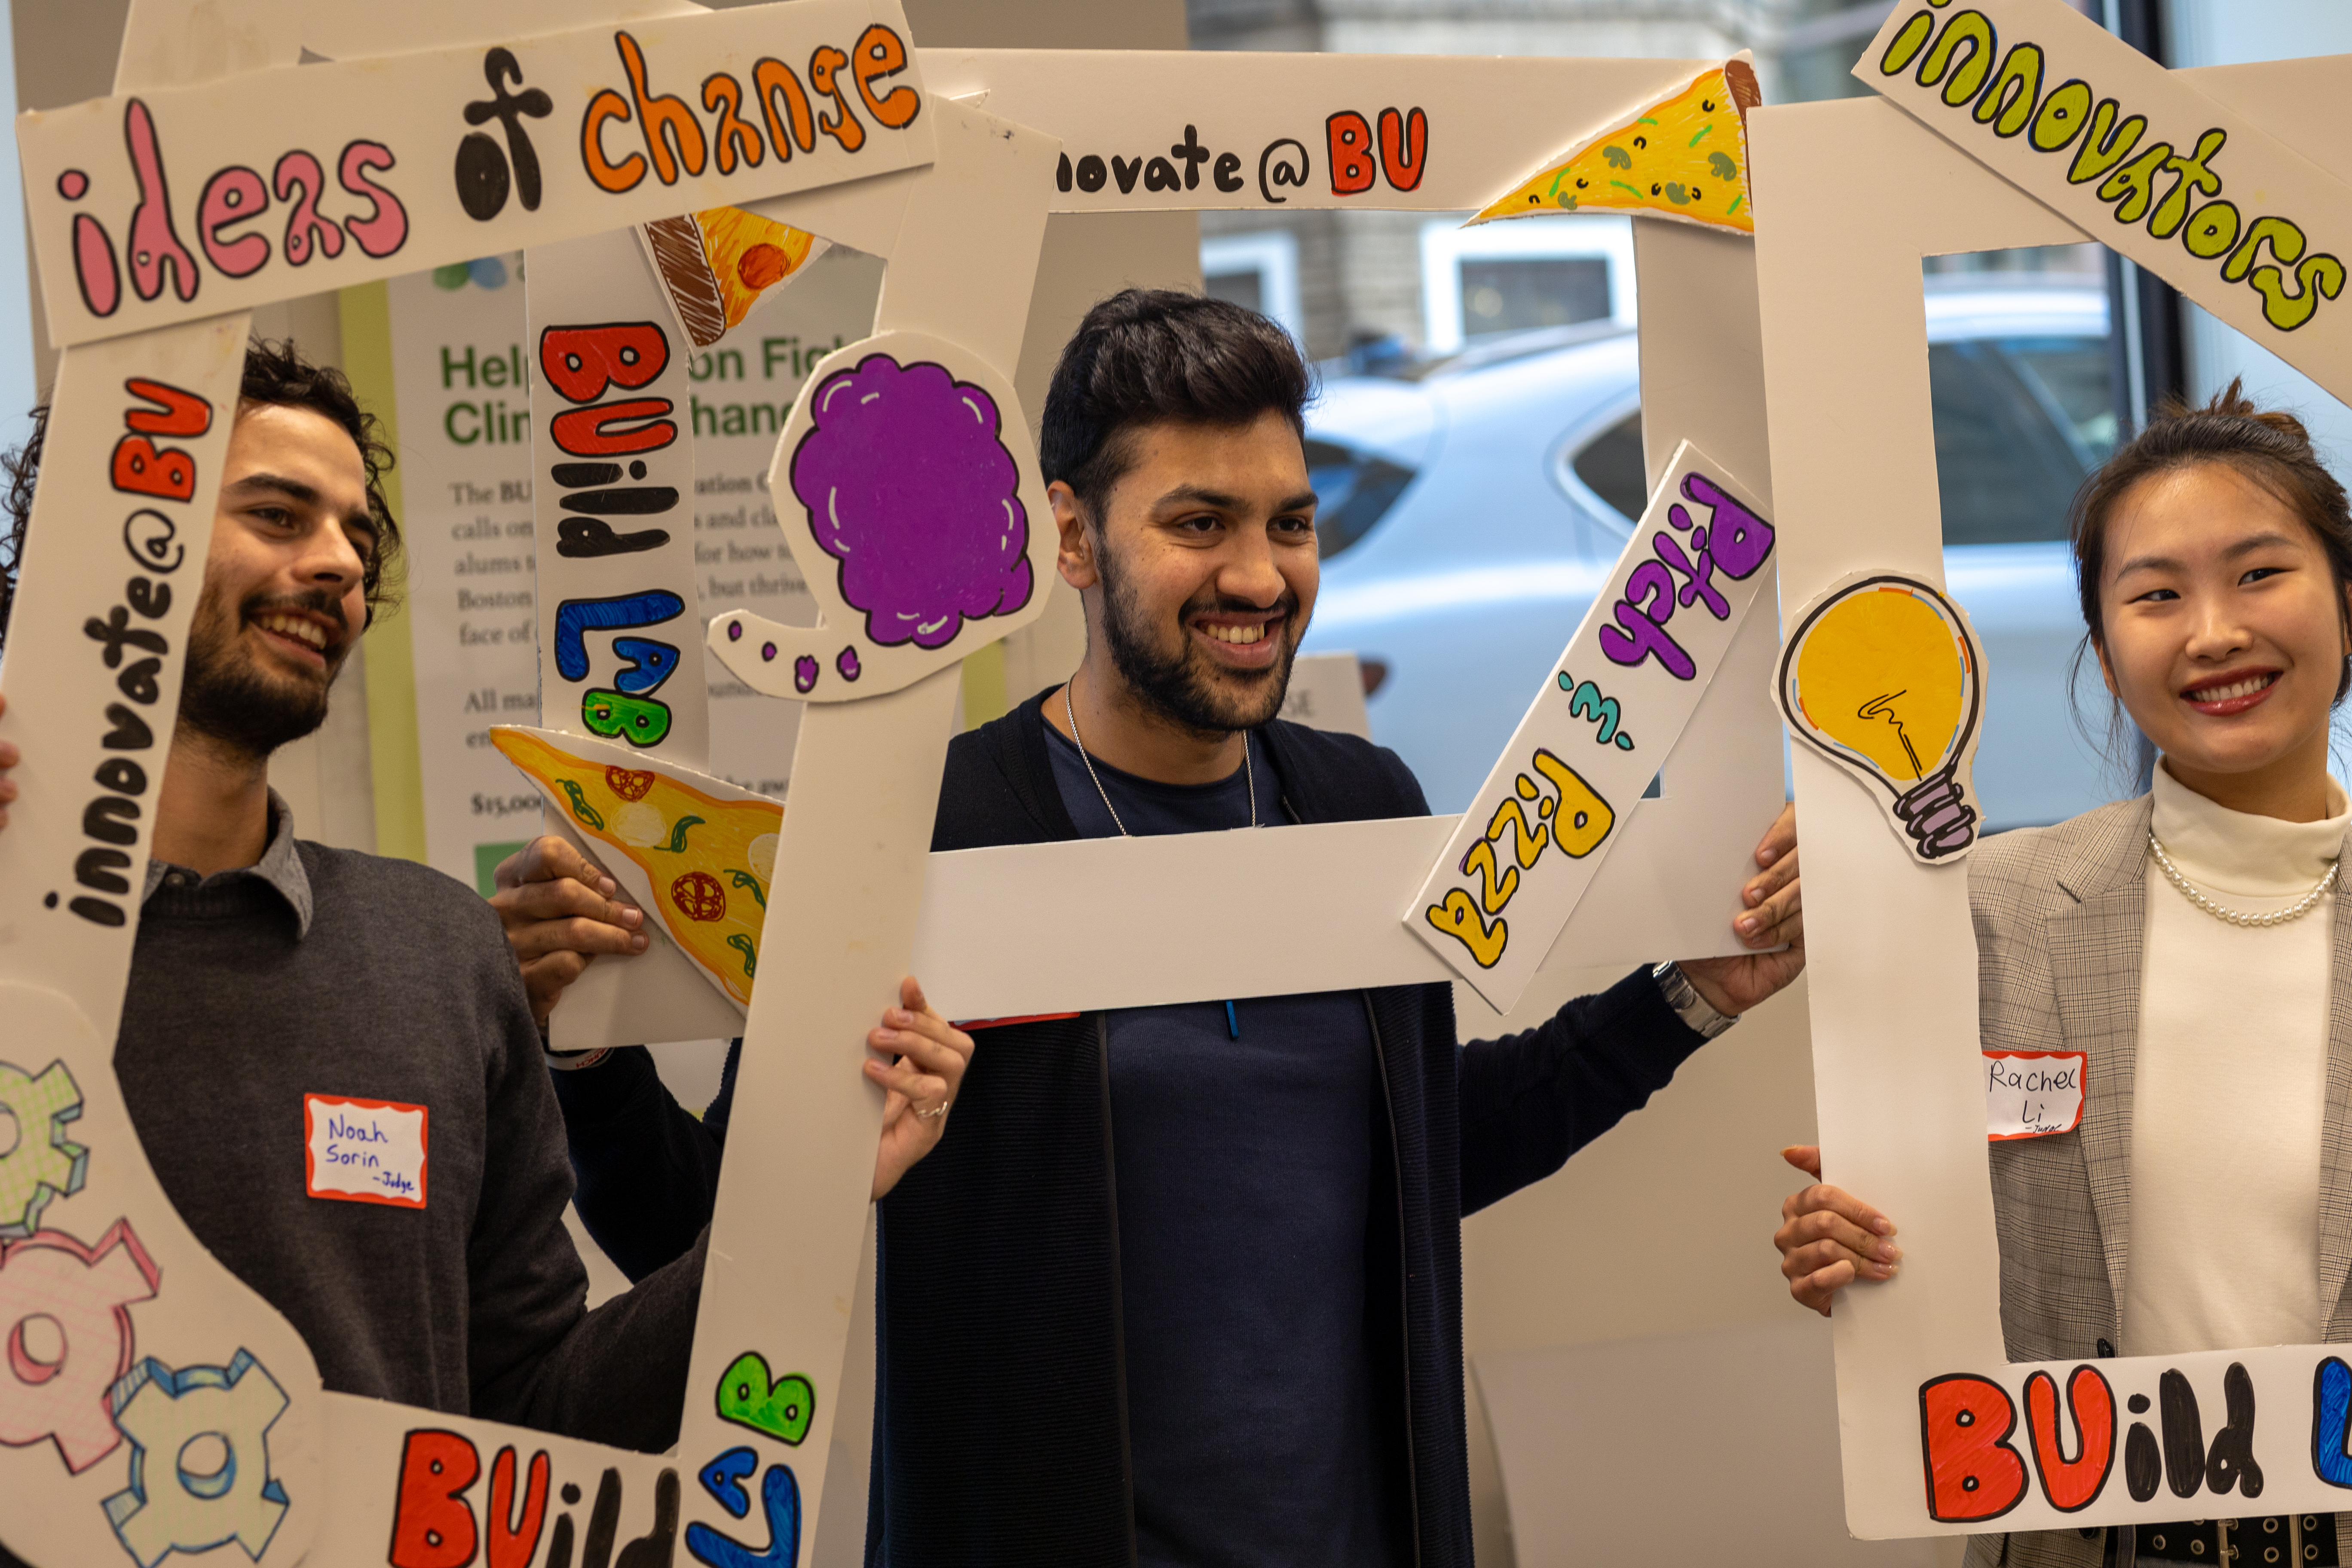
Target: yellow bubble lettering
2195	179
1527	844
2061	117
1973	30
2132	186
1906	44
2286	242
2318	275
1582	819
2212	229
2008	104
2107	144
1494	890
1458	918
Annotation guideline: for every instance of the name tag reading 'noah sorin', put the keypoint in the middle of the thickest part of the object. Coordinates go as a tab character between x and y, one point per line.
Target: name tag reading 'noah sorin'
363	1151
2032	1094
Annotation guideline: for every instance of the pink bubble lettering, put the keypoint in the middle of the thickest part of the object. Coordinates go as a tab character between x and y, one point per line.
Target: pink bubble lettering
385	230
231	196
307	234
154	243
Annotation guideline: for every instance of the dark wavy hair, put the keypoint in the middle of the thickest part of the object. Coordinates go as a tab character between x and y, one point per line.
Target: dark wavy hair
1145	356
276	374
2269	448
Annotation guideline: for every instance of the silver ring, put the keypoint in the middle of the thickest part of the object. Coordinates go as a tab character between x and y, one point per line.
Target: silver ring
937	1111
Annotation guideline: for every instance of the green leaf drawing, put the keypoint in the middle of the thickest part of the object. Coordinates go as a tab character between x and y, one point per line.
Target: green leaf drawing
745	880
587	814
678	834
742	944
1703	132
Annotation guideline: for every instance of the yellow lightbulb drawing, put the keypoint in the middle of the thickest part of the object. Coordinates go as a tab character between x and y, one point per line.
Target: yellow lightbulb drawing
1883	676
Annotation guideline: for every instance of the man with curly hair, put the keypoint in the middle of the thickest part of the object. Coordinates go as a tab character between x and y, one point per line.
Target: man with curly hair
275	980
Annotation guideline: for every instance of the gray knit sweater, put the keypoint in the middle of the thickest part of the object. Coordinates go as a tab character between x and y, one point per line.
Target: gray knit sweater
400	989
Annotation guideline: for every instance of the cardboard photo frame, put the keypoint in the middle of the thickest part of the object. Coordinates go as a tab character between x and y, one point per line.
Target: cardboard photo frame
1941	1434
1702	379
773	1424
95	1442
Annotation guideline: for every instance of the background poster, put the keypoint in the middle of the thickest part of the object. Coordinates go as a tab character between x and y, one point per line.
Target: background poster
460	360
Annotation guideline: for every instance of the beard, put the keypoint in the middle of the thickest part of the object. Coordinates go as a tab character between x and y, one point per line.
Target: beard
227	695
1184	688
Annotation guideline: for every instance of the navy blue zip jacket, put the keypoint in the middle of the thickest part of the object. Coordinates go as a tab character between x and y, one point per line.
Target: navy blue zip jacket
1000	1430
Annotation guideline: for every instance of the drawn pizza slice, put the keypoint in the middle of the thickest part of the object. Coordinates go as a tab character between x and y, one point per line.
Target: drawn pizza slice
702	852
1684	157
715	265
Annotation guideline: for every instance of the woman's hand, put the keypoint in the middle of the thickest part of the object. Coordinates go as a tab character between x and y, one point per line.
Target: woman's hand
1827	1238
1775	917
926	1059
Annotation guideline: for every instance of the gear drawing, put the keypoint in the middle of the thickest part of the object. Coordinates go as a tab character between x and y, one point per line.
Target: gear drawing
187	1494
41	1165
64	1324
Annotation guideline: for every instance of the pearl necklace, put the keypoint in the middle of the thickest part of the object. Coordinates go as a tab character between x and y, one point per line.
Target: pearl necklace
2296	911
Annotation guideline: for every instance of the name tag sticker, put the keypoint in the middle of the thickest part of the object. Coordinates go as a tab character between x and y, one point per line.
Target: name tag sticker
2032	1094
363	1151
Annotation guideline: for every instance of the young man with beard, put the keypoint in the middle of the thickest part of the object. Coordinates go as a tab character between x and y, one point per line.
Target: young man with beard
270	970
1182	1284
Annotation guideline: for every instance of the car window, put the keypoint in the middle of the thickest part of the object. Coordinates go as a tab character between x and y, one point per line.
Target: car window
1353	490
1611	466
2072	374
2010	452
2018	422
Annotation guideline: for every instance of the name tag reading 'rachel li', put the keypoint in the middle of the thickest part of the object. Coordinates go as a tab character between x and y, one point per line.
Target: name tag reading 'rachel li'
2032	1094
363	1151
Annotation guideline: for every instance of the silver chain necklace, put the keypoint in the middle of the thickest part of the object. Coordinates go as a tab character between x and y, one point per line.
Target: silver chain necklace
2300	908
1249	766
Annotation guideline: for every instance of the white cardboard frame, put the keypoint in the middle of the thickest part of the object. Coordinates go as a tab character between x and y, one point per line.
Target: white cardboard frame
1700	372
1894	988
779	1283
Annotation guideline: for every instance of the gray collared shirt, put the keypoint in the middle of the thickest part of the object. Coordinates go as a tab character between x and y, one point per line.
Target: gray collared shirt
279	866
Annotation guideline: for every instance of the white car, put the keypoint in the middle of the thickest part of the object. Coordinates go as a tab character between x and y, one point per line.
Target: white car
1473	506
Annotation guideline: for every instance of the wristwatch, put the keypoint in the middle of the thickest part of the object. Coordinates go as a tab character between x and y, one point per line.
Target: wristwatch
1691	1007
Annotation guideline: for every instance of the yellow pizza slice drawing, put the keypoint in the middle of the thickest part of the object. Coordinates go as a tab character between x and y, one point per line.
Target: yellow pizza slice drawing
1685	157
715	265
703	852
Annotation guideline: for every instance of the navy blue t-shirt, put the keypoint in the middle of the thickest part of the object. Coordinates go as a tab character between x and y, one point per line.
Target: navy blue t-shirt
1243	1147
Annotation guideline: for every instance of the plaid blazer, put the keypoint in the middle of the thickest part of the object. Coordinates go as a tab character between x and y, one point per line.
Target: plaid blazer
2061	917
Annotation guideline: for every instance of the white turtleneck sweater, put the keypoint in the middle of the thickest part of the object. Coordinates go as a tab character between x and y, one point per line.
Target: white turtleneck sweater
2231	1084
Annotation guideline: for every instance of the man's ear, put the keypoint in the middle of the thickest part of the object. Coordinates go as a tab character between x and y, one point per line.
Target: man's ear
1075	556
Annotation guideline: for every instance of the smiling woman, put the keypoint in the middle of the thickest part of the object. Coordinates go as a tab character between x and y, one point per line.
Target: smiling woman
2214	558
2156	960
